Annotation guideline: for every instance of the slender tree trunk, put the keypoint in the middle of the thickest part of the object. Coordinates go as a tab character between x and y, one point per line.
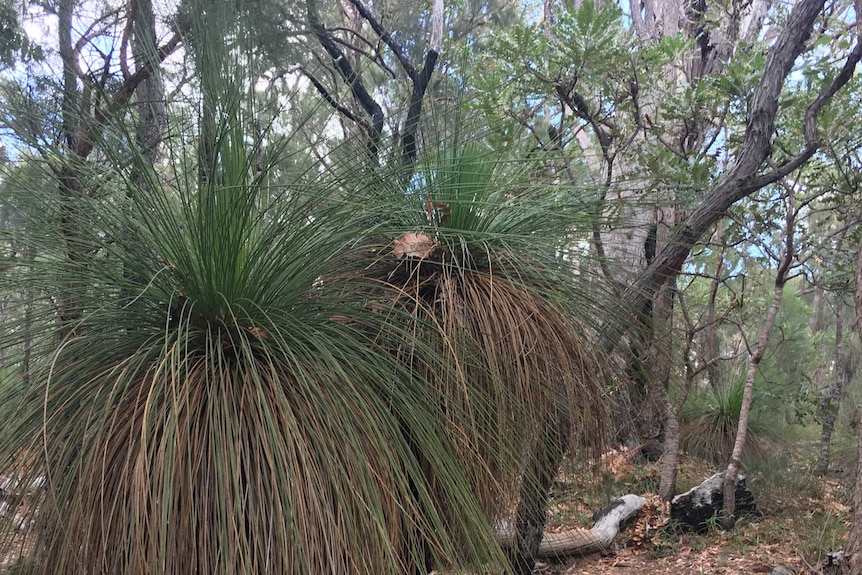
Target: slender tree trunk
833	400
27	336
661	362
742	428
69	184
784	264
853	549
817	325
670	456
712	347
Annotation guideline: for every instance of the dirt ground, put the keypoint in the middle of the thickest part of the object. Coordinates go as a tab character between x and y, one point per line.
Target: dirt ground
756	559
797	530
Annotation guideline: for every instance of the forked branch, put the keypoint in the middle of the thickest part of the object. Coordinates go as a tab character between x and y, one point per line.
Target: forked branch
742	179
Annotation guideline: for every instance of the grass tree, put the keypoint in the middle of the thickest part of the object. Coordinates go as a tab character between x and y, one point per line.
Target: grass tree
488	262
250	388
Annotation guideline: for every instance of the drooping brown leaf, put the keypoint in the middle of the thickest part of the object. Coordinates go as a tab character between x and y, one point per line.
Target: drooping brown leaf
412	244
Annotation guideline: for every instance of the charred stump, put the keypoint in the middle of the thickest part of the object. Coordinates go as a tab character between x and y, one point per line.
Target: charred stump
697	507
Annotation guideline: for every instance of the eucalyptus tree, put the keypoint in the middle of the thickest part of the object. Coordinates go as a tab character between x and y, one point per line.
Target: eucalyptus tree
853	548
670	109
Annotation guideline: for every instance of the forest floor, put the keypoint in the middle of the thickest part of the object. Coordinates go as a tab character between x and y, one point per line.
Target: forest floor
804	518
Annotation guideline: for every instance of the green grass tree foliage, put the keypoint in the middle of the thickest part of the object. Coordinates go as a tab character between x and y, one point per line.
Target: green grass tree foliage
710	420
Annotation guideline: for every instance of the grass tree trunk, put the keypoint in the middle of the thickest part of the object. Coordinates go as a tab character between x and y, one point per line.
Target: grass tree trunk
538	477
853	549
784	264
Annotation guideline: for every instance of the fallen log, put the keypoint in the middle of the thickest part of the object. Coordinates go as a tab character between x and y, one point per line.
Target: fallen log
597	539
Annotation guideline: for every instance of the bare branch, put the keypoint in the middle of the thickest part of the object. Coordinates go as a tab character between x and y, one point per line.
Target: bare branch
371	107
92	31
384	35
377	59
330	99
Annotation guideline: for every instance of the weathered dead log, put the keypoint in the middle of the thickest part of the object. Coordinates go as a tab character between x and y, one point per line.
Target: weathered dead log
598	539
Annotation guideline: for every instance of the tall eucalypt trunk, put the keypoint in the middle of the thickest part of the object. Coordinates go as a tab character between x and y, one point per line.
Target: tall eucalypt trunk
85	109
787	254
853	549
832	402
152	116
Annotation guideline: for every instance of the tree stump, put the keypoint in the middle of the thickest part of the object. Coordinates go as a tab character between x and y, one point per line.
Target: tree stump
697	507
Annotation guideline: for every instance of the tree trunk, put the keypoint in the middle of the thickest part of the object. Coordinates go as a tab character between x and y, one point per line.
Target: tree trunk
784	264
817	326
69	184
853	549
152	117
742	427
711	343
670	456
661	368
832	402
